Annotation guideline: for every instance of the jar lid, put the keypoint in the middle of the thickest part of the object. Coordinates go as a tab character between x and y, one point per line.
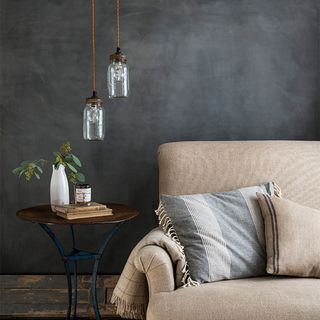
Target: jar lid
82	185
94	99
118	56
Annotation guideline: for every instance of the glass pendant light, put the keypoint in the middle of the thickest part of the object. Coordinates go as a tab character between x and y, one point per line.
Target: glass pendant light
93	114
93	119
118	71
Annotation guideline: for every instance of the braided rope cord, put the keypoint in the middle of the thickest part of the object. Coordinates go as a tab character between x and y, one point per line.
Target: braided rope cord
93	49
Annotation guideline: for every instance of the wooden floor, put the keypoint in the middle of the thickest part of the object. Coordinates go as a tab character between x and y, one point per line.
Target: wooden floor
14	318
53	318
40	297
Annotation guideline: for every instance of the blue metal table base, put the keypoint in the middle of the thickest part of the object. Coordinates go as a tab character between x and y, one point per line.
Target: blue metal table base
70	260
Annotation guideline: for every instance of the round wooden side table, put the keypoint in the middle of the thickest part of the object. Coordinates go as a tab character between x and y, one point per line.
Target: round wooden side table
44	217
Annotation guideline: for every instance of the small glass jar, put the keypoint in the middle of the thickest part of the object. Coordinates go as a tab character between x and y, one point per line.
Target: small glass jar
118	76
93	119
82	194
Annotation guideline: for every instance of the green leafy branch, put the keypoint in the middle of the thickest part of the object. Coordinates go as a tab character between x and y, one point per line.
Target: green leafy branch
63	157
30	168
70	161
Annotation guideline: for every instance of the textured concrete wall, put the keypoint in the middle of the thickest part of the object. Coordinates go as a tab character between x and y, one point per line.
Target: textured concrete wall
200	70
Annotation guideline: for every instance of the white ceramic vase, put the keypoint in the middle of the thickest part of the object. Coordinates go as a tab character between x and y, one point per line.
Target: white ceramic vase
59	187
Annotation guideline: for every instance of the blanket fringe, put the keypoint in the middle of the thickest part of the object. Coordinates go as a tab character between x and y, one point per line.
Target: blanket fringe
166	224
128	310
277	190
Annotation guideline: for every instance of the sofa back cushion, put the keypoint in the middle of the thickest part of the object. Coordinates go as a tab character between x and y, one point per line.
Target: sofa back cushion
215	166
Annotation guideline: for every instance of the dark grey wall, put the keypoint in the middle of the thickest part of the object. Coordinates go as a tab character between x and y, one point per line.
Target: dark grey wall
200	70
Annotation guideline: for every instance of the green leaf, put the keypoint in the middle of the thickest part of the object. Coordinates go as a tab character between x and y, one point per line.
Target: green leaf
39	169
68	157
25	163
72	168
81	177
57	154
42	162
76	160
21	173
17	170
37	176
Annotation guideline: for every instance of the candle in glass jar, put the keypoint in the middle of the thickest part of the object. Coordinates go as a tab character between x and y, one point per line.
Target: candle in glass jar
82	194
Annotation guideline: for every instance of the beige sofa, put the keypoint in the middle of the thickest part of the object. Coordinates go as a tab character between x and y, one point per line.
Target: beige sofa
198	167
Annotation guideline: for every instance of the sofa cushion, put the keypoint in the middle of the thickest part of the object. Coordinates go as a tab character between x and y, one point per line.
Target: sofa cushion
191	167
292	237
263	298
222	233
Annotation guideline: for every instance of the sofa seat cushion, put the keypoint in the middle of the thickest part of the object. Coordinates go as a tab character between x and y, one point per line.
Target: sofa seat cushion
263	298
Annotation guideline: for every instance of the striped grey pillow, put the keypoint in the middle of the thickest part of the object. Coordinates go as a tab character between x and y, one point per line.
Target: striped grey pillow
222	233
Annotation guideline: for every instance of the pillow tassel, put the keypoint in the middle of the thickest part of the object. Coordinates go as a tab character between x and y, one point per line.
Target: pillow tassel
277	190
166	224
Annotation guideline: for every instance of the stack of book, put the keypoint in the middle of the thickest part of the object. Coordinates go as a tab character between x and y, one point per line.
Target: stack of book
73	211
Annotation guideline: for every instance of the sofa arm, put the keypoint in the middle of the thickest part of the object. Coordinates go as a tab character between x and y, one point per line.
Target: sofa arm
158	268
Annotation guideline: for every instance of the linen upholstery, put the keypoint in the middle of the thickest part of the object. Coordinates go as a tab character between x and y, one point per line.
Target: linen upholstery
156	264
222	233
292	237
215	166
200	167
263	298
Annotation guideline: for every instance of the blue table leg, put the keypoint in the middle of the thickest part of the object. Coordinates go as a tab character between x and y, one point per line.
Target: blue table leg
94	288
59	246
80	255
96	266
75	290
67	267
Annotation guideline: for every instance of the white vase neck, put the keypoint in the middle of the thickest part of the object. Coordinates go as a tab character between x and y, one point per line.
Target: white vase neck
60	168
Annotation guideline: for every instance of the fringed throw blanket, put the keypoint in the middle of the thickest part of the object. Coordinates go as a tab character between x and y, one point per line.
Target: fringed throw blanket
131	292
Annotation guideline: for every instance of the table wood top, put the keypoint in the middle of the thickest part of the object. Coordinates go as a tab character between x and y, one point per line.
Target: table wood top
43	214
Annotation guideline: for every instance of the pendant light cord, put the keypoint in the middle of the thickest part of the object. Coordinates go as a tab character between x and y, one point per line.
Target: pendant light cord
93	50
118	24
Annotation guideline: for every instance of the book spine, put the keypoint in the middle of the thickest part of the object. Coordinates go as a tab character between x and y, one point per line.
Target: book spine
80	209
93	214
86	209
83	213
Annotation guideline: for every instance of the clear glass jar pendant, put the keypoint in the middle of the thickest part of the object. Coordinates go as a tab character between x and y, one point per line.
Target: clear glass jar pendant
93	119
118	76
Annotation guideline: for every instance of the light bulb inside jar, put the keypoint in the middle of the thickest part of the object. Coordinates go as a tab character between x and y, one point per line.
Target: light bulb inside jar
93	119
118	76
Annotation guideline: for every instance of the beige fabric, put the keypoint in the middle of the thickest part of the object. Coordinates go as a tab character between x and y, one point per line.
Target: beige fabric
265	298
292	237
149	269
199	167
212	166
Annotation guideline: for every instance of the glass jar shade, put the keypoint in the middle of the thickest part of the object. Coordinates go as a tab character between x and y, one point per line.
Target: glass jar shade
93	121
118	79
